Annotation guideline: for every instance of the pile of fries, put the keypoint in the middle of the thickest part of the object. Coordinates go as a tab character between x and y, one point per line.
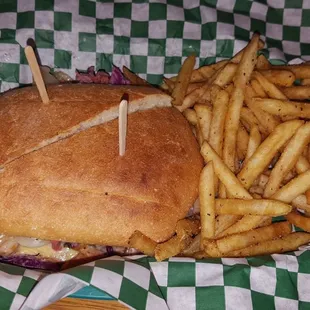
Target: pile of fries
255	143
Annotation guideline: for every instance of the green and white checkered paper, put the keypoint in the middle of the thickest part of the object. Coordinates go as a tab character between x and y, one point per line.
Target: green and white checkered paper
153	38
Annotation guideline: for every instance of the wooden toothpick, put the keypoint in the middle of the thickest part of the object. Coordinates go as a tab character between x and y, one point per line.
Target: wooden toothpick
122	126
35	69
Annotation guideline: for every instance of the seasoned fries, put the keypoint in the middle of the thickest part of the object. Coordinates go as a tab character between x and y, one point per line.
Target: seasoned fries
284	107
284	78
255	142
251	207
207	202
183	80
288	243
142	243
248	238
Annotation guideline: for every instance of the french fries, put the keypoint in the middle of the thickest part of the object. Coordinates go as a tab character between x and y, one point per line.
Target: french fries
185	230
298	220
258	89
284	107
143	243
243	73
262	62
301	71
220	104
271	90
288	243
266	151
297	92
226	176
294	188
242	142
288	159
191	116
207	202
204	116
264	207
183	80
257	158
248	238
254	142
284	78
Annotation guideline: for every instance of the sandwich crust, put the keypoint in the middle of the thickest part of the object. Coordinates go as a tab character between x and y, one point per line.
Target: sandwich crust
79	189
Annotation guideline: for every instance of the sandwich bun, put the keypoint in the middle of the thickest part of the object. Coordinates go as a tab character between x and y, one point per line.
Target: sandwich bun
63	179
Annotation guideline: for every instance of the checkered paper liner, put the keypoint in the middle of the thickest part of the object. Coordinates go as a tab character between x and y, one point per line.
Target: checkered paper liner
271	282
153	38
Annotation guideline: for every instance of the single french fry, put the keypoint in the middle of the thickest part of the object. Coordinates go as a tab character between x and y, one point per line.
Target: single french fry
301	71
302	164
251	207
254	142
283	107
288	243
294	188
266	151
268	121
299	220
207	202
284	78
258	89
242	76
204	116
232	184
262	62
183	80
231	127
242	142
272	90
297	92
226	75
301	203
143	243
191	116
220	104
246	223
134	78
247	238
288	159
247	62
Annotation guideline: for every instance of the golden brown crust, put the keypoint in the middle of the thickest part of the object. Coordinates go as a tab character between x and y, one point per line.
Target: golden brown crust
80	190
25	121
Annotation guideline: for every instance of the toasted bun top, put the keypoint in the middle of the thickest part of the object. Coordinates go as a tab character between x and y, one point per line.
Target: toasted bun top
75	187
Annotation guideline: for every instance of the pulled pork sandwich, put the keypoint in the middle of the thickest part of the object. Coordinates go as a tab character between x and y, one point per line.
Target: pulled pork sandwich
65	193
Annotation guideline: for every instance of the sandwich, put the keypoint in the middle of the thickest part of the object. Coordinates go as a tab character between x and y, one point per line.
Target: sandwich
67	195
